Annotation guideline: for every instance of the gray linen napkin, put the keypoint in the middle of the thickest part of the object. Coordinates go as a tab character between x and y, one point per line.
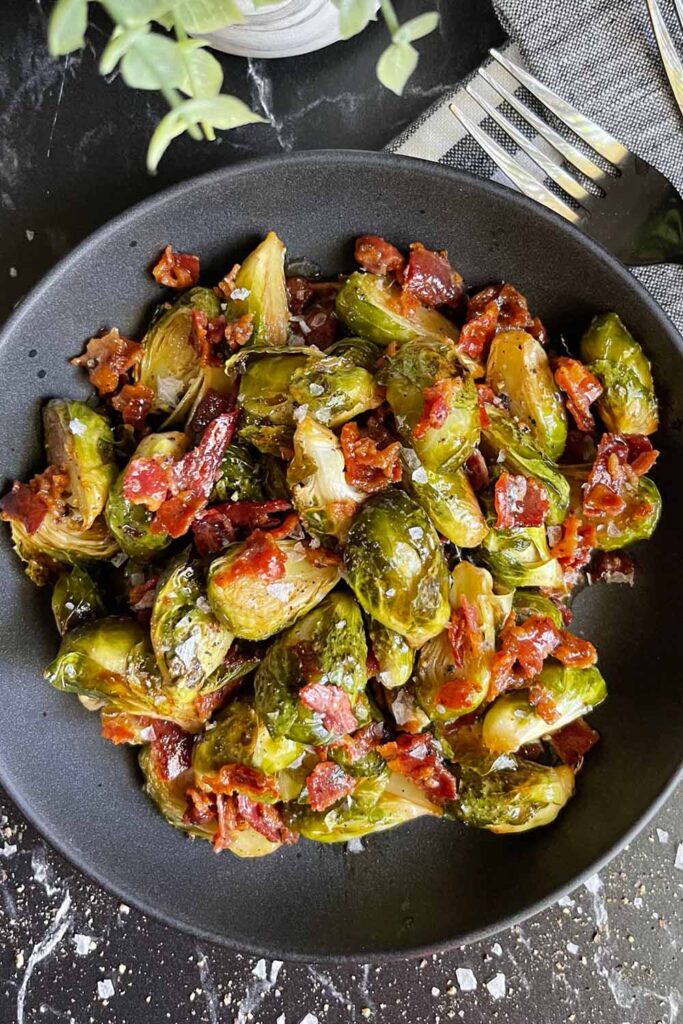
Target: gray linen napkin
600	55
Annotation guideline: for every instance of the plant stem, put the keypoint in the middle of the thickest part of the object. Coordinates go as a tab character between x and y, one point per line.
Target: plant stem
390	17
181	36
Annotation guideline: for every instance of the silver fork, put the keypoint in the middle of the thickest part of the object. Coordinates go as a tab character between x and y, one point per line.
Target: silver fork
635	211
672	62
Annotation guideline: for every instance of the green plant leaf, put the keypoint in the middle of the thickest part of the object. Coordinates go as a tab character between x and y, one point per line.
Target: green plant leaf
223	112
120	42
206	15
204	76
152	62
67	25
129	13
416	28
396	65
354	15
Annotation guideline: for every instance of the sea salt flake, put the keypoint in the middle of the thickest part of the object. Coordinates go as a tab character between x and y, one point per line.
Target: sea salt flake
240	293
678	863
281	1019
355	846
416	532
436	991
310	1018
316	390
662	835
30	235
572	948
566	901
275	969
84	944
466	979
77	427
7	850
168	390
280	591
260	970
420	475
105	989
496	986
497	949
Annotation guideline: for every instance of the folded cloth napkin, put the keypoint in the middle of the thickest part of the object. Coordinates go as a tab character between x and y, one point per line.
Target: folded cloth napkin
600	55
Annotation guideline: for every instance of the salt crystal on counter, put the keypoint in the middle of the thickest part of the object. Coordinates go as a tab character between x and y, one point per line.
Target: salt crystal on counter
572	948
497	949
83	944
662	835
105	989
260	970
678	863
310	1018
354	846
466	979
496	986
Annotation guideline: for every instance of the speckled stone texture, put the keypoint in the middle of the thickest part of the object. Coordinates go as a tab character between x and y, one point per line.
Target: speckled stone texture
71	156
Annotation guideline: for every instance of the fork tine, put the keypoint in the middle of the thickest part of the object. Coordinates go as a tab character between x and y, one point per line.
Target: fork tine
670	58
524	181
571	154
591	133
549	167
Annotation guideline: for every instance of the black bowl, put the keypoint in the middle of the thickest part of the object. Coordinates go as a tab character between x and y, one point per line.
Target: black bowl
430	884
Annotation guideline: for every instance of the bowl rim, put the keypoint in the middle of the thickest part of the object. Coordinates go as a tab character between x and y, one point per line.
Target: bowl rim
360	159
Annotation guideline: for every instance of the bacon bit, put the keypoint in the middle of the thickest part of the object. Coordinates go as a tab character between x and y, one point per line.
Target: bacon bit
226	286
431	279
266	819
212	405
572	650
299	294
573	742
362	741
613	567
368	467
176	514
582	389
197	471
540	698
134	402
322	557
457	693
226	809
124	728
519	501
261	557
146	481
176	269
206	335
478	333
241	778
496	308
477	471
573	550
215	527
524	648
141	596
201	808
378	256
29	503
327	784
620	460
238	332
332	704
537	330
107	359
463	631
437	407
418	759
171	749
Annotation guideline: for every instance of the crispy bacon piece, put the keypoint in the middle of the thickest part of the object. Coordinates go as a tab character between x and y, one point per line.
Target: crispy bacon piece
261	557
107	359
226	285
431	279
146	481
215	527
540	698
477	471
171	749
141	596
134	402
29	503
496	308
519	501
226	810
418	758
367	466
197	470
206	335
575	546
538	331
524	648
241	778
266	819
327	784
573	742
212	405
361	742
176	514
575	651
332	704
613	567
238	332
124	728
321	323
201	807
299	294
582	389
378	256
436	409
463	631
479	331
176	269
620	460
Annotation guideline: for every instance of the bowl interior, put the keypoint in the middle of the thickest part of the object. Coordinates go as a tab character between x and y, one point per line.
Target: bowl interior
424	885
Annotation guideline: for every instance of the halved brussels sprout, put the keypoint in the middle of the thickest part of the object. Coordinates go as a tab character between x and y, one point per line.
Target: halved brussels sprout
520	557
327	645
170	795
359	351
131	523
255	608
239	477
188	640
511	721
522	455
170	363
264	387
628	404
447	687
260	289
514	799
60	541
323	498
75	599
526	603
395	565
636	522
448	499
518	368
81	442
334	390
414	369
394	655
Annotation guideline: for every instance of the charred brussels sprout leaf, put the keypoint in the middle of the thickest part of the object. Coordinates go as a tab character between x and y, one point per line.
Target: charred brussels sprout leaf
334	390
415	369
370	306
324	499
260	289
628	404
60	541
75	599
520	557
358	351
396	568
448	499
131	523
254	607
327	646
394	655
526	603
239	478
514	799
80	441
518	368
511	721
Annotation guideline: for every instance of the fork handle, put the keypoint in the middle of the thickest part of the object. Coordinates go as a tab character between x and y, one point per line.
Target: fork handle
659	238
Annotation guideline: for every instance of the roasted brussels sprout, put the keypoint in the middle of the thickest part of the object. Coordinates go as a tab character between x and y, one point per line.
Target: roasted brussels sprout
631	525
60	541
358	351
75	599
526	603
628	404
264	387
518	368
170	363
448	499
513	799
394	655
520	557
328	646
512	721
522	455
188	640
324	499
81	442
169	795
240	476
396	568
260	289
411	373
334	390
254	607
131	523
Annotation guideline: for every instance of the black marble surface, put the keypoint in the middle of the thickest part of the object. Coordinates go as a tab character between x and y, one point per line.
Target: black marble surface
71	156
